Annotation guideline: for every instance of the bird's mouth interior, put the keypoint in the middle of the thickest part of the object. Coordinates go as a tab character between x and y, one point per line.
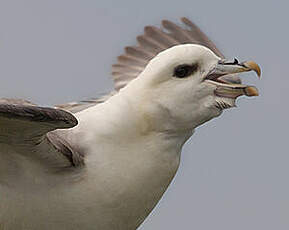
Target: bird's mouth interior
226	85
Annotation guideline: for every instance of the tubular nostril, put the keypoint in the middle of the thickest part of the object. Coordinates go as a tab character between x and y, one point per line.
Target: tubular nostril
226	62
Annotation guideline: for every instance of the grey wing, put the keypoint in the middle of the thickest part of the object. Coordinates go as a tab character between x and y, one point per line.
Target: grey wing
135	58
15	101
153	41
75	107
27	130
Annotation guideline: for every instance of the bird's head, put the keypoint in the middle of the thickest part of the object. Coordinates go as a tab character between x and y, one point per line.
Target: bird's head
187	85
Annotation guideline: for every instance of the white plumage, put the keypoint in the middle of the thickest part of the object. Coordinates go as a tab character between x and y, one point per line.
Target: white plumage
111	169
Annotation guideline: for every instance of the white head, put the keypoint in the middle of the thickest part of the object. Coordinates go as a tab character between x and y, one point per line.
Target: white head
181	87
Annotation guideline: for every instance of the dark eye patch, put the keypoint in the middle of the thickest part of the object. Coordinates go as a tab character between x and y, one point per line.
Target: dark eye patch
182	71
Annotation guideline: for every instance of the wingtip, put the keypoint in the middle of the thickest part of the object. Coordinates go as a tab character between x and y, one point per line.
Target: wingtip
188	22
184	19
148	29
165	22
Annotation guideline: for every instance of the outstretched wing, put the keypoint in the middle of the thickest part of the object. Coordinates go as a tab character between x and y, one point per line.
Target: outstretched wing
26	130
135	58
153	41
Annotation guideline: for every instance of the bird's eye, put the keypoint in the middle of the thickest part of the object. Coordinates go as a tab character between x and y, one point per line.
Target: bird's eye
183	71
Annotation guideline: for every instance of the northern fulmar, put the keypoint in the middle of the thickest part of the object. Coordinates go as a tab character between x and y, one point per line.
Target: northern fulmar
105	163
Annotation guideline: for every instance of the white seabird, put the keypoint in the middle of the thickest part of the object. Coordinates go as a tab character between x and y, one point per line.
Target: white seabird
107	165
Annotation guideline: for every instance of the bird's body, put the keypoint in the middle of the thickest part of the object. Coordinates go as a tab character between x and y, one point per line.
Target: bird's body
107	166
126	173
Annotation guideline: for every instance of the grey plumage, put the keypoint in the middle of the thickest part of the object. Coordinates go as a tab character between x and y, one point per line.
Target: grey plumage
29	127
110	170
135	58
129	65
153	41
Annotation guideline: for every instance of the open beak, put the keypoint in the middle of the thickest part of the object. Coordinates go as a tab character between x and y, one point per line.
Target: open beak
228	89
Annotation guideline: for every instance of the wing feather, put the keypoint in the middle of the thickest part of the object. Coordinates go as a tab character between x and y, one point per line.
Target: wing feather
26	130
179	33
160	36
154	40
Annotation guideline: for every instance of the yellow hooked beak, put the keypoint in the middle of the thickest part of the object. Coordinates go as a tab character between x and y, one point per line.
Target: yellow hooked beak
227	89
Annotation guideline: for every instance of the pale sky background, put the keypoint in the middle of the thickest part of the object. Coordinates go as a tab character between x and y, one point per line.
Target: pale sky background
234	170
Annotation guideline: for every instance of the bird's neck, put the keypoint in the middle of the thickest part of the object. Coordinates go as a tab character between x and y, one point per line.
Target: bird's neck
126	153
124	118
